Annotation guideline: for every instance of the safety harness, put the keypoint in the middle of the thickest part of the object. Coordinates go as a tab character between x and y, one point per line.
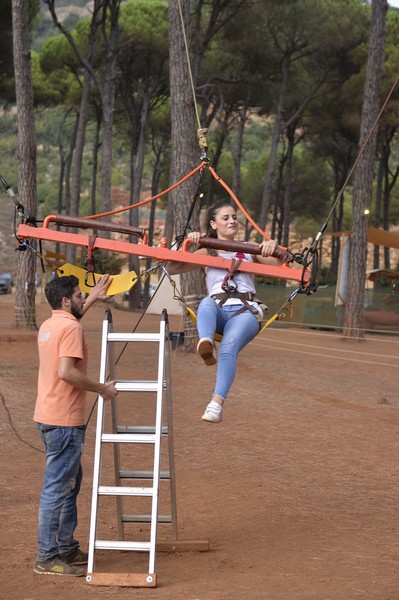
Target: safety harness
230	290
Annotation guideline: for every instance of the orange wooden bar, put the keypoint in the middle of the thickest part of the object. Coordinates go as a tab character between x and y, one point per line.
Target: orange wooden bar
162	254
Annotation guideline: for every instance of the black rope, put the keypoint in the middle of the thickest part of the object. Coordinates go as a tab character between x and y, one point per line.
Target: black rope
182	236
126	343
10	421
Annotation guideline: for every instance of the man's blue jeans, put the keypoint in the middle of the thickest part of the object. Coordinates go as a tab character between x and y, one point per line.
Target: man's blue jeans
58	515
237	332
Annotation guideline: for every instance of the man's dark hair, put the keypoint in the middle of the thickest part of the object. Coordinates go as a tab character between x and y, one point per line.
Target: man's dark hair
59	288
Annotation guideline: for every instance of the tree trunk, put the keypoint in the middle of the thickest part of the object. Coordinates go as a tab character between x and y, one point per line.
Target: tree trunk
378	203
184	145
133	259
94	172
288	184
363	180
70	250
237	153
220	135
137	162
108	102
25	313
272	162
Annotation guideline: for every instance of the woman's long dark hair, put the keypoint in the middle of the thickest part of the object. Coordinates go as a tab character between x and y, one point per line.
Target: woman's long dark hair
211	214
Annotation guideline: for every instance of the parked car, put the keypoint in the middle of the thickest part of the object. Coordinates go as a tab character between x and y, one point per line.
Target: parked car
6	281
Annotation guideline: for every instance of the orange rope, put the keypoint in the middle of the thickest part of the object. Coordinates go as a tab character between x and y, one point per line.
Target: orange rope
226	187
172	187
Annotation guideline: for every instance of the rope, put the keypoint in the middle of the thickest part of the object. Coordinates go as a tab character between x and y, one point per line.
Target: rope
164	192
10	421
189	66
360	154
236	200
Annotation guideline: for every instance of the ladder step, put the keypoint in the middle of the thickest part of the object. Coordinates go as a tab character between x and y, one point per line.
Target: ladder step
137	386
119	545
125	474
128	438
145	518
118	490
139	429
134	337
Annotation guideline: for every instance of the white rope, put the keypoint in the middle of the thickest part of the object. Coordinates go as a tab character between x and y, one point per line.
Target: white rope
188	63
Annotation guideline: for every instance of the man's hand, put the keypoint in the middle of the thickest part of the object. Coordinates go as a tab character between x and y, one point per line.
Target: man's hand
99	291
110	392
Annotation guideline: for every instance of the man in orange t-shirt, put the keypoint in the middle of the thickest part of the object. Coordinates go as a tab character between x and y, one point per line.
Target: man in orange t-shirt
60	417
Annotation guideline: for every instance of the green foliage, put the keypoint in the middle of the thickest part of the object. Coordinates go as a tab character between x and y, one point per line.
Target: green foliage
312	187
240	63
7	67
306	227
7	88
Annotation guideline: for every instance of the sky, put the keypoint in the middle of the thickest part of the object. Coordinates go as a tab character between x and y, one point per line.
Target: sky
394	3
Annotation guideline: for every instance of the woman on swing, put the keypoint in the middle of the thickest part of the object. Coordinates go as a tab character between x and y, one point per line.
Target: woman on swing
230	309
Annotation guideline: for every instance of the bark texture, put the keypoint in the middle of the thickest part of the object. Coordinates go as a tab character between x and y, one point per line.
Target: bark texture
364	174
184	146
25	315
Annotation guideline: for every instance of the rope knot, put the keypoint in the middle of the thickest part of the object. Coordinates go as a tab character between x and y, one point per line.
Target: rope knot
202	133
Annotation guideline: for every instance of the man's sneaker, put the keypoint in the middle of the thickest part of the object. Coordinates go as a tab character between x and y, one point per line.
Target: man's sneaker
56	566
206	349
213	412
76	558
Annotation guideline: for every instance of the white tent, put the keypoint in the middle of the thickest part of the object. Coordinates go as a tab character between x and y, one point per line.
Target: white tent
163	298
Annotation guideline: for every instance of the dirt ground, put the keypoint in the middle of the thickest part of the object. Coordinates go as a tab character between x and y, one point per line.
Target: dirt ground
296	490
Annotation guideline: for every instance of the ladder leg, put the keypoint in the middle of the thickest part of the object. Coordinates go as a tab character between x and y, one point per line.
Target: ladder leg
171	451
116	451
97	450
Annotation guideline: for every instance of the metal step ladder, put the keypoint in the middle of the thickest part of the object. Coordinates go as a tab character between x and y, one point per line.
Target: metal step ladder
128	434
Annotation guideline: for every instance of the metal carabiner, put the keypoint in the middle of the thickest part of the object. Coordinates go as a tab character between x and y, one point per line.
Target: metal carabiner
93	275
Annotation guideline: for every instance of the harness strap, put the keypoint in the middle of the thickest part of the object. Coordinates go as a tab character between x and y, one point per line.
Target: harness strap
90	268
235	263
245	298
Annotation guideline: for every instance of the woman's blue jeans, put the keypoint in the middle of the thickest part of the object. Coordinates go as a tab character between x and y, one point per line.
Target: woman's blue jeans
58	516
237	332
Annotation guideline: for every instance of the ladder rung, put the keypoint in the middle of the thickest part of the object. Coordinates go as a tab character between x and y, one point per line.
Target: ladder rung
139	429
134	337
137	386
119	545
115	490
128	438
125	474
145	518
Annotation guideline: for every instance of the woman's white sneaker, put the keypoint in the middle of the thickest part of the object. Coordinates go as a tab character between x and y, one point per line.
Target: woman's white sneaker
213	412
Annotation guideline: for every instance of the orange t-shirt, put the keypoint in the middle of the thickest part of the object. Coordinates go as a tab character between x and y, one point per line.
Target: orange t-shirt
58	402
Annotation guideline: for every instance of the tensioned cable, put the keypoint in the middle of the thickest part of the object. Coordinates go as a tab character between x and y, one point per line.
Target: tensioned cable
189	63
10	421
142	202
336	328
360	154
345	358
342	350
236	200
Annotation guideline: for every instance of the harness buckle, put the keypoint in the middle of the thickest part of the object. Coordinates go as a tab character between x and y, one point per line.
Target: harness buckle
230	287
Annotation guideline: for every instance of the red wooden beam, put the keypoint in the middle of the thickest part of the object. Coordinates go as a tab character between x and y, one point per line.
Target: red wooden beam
162	254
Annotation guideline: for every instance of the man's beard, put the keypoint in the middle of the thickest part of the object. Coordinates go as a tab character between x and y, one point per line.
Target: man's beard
75	312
